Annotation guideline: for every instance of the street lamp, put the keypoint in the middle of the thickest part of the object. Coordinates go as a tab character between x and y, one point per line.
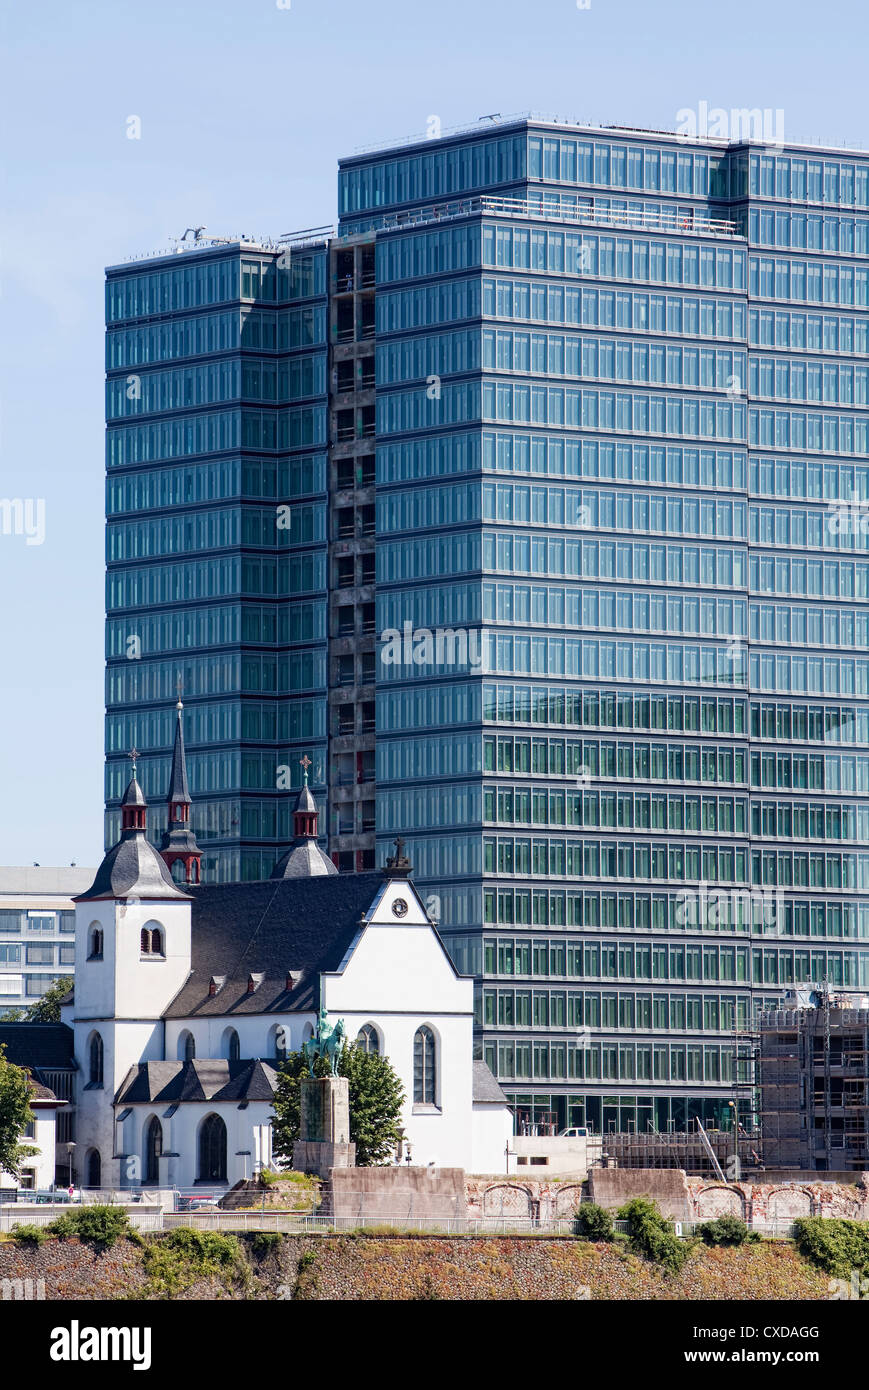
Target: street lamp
70	1152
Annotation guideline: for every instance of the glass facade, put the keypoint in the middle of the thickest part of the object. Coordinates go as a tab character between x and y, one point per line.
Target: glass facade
216	402
621	404
619	409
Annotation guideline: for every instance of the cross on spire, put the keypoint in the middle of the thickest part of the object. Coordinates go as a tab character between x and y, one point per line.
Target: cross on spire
134	755
305	763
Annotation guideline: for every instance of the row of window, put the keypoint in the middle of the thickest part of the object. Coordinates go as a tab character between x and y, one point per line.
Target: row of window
147	489
282	526
579	959
814	332
29	921
221	673
220	577
807	281
10	954
710	910
808	232
792	379
271	721
223	625
684	863
625	361
557	1061
296	427
586	408
634	257
599	509
604	810
554	302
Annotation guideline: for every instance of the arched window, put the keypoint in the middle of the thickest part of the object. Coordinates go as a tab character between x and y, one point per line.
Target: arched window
93	1168
152	939
424	1069
279	1042
231	1045
368	1038
186	1047
95	1061
95	942
212	1150
153	1149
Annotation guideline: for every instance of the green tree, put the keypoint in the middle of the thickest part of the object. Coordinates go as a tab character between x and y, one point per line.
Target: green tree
46	1009
376	1097
15	1113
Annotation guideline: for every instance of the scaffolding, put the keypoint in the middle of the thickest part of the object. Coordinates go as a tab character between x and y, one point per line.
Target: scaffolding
814	1084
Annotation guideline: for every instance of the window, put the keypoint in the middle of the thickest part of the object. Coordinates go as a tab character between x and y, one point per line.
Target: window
231	1045
424	1070
212	1150
153	1149
368	1039
186	1047
95	942
152	939
93	1168
95	1061
279	1043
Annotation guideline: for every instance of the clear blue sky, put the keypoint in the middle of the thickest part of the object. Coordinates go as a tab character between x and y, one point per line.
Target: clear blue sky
245	108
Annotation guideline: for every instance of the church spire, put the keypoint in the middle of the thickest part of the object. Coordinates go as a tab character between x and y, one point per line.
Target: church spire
179	842
304	858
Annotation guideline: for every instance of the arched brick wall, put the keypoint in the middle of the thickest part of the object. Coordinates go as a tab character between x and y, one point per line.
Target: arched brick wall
506	1199
713	1202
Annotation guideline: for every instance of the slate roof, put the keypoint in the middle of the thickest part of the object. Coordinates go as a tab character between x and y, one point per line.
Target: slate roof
132	866
486	1090
298	926
178	788
304	859
38	1045
201	1079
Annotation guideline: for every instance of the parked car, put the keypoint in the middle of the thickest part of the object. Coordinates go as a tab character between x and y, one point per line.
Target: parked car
197	1203
577	1132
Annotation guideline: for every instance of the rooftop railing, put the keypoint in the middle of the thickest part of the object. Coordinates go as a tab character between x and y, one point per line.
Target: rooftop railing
541	209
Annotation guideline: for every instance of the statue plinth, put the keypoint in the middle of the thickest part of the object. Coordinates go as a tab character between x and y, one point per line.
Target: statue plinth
324	1129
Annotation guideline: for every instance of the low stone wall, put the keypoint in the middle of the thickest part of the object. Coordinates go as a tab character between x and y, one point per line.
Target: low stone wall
402	1268
378	1194
612	1187
780	1199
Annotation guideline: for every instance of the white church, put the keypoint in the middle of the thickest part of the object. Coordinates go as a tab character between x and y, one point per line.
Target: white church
187	997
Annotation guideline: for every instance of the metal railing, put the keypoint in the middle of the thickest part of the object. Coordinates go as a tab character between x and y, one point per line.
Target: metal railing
144	1218
541	209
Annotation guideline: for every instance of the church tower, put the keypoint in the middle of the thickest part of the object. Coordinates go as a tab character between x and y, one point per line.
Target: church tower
304	858
132	955
178	846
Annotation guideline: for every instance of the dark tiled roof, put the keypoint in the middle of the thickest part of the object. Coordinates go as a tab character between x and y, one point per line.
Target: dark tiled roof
132	867
485	1088
38	1045
202	1079
273	928
304	859
178	788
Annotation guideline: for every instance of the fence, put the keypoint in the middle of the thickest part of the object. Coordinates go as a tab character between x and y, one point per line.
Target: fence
298	1223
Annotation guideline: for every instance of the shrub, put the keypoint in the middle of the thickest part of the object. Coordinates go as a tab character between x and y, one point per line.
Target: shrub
653	1236
27	1234
834	1245
102	1224
726	1230
175	1261
266	1241
592	1222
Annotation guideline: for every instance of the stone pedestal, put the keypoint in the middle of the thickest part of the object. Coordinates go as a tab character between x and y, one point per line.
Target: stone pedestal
324	1131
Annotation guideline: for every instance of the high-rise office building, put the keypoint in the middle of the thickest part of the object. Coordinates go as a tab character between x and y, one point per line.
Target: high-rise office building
575	447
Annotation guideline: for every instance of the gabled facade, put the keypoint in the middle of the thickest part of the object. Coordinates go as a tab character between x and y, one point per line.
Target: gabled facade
186	1002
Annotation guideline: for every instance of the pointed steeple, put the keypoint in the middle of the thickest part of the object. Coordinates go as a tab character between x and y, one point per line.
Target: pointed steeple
179	841
132	867
304	858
